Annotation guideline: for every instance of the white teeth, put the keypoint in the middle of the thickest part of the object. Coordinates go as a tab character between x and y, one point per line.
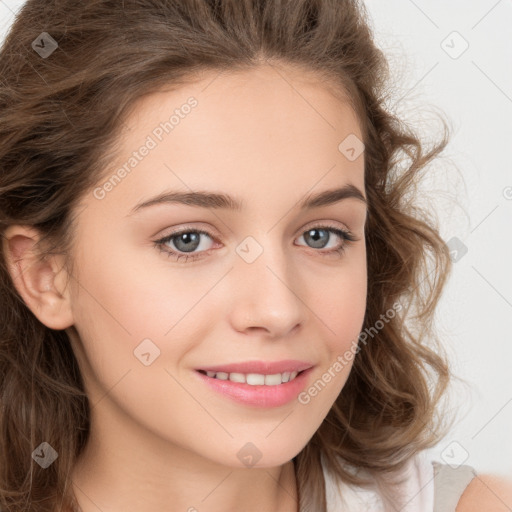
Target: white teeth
273	380
237	377
255	379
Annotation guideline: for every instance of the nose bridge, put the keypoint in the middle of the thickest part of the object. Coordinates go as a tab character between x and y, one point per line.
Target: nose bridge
264	258
266	288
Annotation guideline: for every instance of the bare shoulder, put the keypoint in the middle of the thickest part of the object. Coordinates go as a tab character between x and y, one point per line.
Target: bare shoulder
491	493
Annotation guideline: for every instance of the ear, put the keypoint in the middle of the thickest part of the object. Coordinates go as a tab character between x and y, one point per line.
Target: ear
41	281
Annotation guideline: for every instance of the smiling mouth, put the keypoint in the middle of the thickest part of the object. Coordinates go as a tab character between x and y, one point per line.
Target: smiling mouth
254	379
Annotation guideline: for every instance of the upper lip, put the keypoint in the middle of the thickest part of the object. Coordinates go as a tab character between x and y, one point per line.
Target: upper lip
260	367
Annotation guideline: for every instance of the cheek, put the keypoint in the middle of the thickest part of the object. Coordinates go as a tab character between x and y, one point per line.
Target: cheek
341	309
342	303
133	308
135	327
346	318
130	292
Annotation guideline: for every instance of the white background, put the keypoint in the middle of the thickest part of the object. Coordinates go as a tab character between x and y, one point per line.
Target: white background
471	190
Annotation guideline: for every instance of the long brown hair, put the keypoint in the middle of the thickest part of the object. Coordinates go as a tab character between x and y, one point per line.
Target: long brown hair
60	116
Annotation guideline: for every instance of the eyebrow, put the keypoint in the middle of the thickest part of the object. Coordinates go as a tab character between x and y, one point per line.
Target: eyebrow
203	199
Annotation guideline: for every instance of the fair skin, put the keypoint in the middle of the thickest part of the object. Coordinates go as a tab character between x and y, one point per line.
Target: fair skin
160	437
491	493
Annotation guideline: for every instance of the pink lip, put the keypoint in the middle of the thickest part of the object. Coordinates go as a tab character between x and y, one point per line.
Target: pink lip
259	396
261	367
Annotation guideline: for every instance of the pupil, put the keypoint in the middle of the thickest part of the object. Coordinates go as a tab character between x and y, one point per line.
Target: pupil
317	236
187	238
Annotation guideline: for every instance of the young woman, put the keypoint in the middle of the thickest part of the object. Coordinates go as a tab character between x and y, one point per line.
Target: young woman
286	361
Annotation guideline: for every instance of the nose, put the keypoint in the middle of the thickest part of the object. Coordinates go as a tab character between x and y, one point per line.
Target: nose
266	294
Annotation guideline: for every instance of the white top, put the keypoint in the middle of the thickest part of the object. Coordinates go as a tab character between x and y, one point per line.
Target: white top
417	490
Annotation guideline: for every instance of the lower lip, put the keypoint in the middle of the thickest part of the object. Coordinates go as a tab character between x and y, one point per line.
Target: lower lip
259	396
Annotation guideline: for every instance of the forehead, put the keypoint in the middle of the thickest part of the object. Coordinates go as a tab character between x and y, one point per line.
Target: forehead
265	93
258	129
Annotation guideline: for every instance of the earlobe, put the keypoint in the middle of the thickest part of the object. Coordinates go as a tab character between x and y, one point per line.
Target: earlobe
40	281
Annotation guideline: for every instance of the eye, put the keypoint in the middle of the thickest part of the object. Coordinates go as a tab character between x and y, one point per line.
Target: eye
320	236
187	241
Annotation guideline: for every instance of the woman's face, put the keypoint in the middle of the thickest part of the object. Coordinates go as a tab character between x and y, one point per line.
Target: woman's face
267	283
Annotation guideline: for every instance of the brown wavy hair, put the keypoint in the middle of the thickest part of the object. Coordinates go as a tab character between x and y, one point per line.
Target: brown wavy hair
60	117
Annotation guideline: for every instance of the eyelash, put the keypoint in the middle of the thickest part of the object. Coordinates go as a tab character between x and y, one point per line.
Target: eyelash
345	235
